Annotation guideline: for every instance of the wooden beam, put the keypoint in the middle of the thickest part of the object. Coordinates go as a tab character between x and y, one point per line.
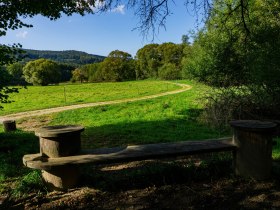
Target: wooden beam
131	153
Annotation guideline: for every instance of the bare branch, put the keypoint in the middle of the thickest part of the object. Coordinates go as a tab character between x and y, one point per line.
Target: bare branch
244	11
152	15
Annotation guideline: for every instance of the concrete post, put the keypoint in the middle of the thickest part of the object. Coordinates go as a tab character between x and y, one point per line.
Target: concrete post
60	141
253	157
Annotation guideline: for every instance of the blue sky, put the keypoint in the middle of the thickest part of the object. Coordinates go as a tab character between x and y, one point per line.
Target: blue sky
99	33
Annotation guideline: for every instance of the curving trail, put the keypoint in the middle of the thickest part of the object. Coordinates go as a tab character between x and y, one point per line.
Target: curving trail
20	115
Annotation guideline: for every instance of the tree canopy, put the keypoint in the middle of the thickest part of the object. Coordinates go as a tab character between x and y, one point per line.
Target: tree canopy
152	57
118	66
80	74
42	72
16	72
225	54
242	60
71	57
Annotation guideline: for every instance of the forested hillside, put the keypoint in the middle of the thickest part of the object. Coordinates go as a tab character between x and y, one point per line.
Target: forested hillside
68	56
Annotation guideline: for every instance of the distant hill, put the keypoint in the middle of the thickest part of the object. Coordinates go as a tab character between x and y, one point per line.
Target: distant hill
68	56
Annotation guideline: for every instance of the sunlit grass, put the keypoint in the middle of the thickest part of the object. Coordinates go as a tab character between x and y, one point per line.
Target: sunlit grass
164	119
39	97
13	146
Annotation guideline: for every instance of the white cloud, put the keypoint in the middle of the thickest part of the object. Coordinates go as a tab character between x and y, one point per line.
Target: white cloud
101	4
119	9
22	34
98	5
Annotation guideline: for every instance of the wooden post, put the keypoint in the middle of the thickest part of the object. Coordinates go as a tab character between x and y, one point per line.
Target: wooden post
253	157
9	125
60	141
276	133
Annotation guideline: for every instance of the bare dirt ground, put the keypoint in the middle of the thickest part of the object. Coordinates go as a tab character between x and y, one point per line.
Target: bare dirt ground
139	185
221	194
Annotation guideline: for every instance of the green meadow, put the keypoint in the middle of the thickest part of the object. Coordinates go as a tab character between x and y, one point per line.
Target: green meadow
41	97
164	119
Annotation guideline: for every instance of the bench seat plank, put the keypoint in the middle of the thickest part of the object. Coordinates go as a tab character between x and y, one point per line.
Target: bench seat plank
131	153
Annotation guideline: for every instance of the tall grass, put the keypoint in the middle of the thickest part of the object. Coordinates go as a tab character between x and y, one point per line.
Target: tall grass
14	178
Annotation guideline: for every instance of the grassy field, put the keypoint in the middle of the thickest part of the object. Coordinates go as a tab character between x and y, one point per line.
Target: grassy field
38	97
164	119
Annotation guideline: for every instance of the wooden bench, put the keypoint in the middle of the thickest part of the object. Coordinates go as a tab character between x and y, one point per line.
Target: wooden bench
252	142
130	153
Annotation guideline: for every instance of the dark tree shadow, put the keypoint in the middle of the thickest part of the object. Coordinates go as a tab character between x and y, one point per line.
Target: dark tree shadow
142	174
184	126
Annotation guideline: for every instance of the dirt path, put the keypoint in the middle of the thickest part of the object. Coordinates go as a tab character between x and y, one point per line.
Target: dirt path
78	106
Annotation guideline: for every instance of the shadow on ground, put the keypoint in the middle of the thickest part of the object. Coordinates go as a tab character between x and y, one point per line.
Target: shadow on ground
143	132
181	184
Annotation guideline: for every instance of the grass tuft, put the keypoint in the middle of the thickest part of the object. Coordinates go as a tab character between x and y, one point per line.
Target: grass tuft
13	146
29	183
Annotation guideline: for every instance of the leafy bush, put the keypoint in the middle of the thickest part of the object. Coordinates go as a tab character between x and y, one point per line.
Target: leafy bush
224	105
118	66
42	72
225	54
169	71
152	57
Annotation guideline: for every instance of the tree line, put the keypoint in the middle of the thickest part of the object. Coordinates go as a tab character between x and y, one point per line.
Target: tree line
155	61
37	72
71	57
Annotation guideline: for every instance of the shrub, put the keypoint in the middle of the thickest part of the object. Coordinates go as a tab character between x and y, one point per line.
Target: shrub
224	105
42	72
169	71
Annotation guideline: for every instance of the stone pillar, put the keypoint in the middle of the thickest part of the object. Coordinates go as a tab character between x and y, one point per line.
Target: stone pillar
60	141
9	125
253	157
